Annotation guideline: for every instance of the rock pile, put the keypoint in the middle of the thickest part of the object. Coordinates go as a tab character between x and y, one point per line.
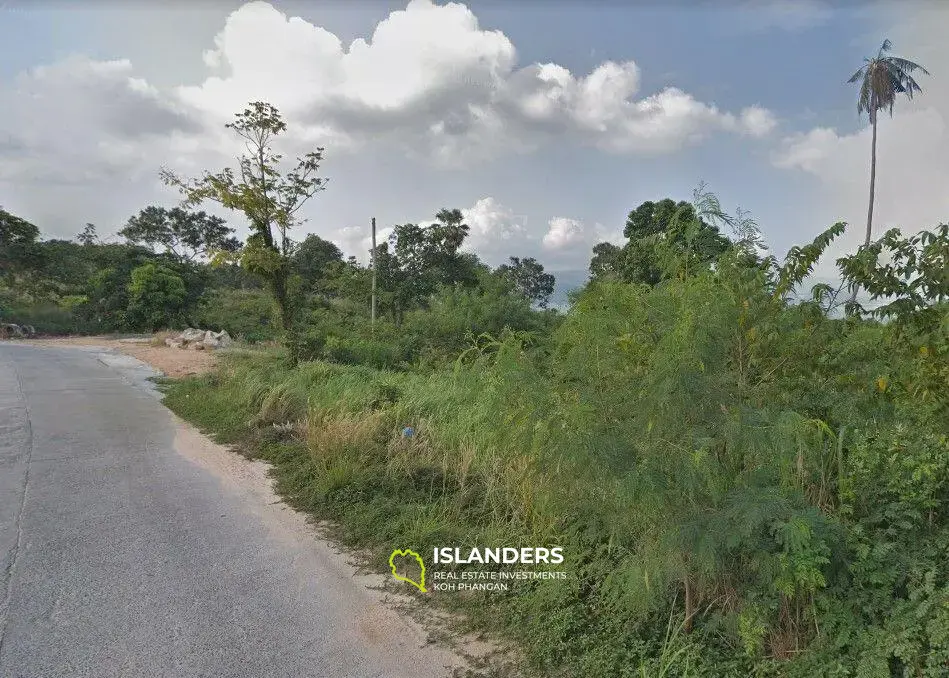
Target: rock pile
10	330
200	340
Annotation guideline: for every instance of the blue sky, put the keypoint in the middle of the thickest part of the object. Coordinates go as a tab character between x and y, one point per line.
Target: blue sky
548	185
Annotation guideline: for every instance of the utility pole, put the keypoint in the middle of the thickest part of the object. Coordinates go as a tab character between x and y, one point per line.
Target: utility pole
373	275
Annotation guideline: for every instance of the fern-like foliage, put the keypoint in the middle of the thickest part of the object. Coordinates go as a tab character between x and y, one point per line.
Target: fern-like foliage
800	260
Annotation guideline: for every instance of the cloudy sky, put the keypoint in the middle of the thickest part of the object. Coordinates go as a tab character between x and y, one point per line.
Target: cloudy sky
546	122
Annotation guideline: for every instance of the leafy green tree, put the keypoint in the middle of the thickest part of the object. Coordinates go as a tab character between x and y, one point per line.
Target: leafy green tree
914	281
746	234
317	261
429	255
421	260
914	286
397	291
157	296
270	198
104	274
19	250
185	235
605	263
529	279
68	263
443	240
882	78
350	281
88	236
230	275
656	232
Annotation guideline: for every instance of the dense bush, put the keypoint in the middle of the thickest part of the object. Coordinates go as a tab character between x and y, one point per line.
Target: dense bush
456	314
742	485
355	351
244	313
339	331
157	297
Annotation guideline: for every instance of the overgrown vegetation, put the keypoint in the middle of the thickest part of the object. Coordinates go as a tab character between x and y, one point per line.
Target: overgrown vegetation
743	484
746	477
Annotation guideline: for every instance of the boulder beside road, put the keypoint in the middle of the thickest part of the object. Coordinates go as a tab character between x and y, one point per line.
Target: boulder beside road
200	340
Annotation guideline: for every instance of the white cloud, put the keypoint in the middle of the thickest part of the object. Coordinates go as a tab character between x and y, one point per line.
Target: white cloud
564	232
806	150
568	243
429	81
82	139
600	109
357	240
912	149
757	121
81	120
496	232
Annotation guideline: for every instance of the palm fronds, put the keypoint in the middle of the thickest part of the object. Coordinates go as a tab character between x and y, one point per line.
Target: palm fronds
882	78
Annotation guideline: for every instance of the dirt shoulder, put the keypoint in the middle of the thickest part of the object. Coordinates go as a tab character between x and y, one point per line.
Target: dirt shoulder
172	362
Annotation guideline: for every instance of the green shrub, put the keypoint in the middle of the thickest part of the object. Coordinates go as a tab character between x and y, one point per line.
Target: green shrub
713	458
442	330
247	314
157	297
304	345
48	318
355	351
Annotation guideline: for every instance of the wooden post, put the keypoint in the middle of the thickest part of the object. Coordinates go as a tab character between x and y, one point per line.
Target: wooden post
373	275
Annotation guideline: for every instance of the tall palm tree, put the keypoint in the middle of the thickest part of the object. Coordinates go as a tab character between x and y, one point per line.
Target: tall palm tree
881	79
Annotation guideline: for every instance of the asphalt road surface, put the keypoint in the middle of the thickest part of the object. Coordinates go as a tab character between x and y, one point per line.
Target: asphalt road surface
132	546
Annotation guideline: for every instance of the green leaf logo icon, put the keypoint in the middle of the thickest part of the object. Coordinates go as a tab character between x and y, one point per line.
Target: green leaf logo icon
406	554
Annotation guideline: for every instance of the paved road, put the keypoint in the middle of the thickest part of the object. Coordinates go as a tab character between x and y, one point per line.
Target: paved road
127	548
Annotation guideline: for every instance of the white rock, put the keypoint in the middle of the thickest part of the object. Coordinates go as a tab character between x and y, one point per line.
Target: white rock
191	334
201	340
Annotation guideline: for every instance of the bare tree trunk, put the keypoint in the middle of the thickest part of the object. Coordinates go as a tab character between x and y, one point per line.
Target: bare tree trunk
873	182
278	284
